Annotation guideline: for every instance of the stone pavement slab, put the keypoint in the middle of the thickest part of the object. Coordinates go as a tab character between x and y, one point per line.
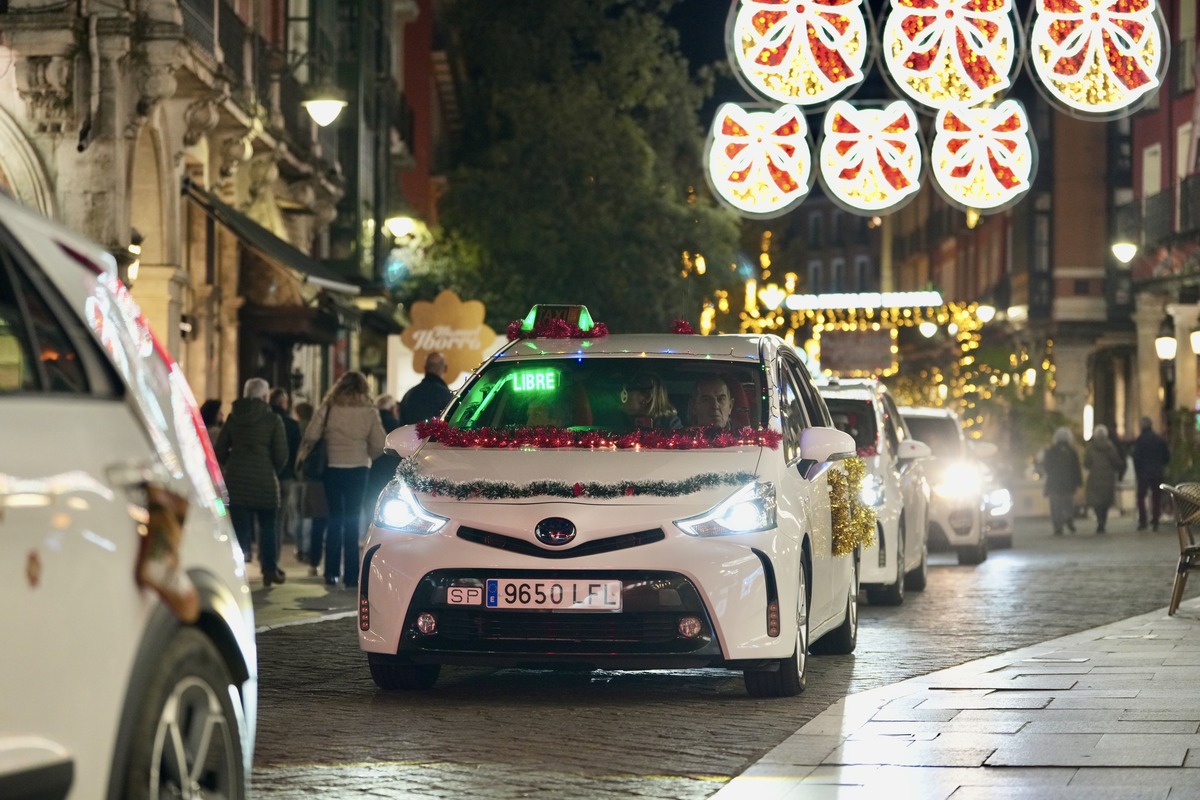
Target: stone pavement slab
1113	712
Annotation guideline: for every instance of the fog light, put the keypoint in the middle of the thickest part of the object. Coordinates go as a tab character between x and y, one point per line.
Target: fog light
773	618
690	627
364	614
427	623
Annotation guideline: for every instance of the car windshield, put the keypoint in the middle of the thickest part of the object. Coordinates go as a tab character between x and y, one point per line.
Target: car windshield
940	433
857	418
611	394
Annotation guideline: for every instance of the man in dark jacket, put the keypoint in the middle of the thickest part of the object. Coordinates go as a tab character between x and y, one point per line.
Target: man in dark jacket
289	487
251	449
1150	455
429	397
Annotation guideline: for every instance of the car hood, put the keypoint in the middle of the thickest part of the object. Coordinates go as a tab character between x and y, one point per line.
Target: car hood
516	469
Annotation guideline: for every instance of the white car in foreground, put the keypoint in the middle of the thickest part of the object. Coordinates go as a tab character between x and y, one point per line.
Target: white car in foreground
894	486
606	540
129	658
959	480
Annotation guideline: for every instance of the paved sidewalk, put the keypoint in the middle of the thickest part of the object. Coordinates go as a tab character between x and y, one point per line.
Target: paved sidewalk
1113	712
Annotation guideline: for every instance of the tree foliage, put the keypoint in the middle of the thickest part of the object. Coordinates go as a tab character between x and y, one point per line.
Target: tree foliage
579	174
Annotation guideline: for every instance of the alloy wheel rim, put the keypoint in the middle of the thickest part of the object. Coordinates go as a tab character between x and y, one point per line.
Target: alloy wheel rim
193	755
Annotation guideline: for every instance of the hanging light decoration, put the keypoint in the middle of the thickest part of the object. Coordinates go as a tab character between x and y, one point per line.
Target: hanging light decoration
982	158
760	162
870	159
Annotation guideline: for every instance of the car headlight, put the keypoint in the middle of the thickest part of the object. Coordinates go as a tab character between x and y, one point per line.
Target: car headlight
963	481
999	502
749	509
398	510
871	492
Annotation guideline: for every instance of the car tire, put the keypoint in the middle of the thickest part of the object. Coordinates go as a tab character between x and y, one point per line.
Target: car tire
791	675
187	709
917	579
892	594
974	554
393	675
842	640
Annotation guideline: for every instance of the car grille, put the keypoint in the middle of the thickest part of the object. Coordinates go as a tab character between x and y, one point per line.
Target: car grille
591	548
468	626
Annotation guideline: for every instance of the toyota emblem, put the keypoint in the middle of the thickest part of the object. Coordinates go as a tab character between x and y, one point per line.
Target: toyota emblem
555	531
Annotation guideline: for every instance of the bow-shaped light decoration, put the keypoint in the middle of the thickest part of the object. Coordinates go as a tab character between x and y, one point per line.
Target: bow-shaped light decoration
941	52
982	158
800	52
1098	56
760	162
870	159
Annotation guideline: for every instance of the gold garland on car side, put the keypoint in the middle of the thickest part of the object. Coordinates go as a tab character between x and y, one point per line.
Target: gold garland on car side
853	520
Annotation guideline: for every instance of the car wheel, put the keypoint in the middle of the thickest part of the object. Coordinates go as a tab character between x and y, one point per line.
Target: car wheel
893	594
843	639
392	675
974	554
791	676
186	740
917	579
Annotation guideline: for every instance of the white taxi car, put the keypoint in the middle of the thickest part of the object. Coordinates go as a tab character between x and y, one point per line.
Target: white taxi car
958	477
895	487
566	512
129	657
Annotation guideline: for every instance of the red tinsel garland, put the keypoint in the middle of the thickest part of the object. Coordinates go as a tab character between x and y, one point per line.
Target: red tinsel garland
438	430
682	326
555	329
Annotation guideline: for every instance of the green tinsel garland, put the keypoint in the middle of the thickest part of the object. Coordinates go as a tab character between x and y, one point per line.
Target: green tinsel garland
853	521
503	490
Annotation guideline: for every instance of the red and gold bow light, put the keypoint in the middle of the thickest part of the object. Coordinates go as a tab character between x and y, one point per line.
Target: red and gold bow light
760	162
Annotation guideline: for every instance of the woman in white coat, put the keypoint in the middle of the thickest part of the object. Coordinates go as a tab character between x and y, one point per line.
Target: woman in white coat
349	424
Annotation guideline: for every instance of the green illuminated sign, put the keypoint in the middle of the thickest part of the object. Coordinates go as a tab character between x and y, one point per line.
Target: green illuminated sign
535	380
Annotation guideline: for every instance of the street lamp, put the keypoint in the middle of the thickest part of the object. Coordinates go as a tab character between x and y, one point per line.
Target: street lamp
985	313
324	103
1194	338
1124	250
1165	344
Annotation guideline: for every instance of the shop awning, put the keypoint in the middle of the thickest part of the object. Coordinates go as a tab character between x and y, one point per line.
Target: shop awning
267	243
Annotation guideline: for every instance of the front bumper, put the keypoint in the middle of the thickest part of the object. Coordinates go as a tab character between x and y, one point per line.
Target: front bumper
726	583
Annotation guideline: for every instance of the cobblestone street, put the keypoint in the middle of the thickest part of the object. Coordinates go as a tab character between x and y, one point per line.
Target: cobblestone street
325	729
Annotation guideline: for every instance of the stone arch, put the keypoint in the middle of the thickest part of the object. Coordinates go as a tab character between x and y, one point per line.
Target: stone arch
150	201
21	168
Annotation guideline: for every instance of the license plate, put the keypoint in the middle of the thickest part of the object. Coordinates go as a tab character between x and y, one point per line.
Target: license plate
597	595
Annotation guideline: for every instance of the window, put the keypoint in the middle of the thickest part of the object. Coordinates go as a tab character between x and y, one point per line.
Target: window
814	231
816	277
862	274
838	268
36	354
791	408
17	371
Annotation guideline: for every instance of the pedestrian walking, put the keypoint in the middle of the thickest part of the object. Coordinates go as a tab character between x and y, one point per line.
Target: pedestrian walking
310	549
349	423
289	488
251	449
383	468
1150	455
1060	463
429	397
1104	468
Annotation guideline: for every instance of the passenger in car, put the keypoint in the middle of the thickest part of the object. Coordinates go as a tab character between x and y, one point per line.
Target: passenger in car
711	404
645	405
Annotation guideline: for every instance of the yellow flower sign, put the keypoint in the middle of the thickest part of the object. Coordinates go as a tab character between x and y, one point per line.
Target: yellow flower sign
450	326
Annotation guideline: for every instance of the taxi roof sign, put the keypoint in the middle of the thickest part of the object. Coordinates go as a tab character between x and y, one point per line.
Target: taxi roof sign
576	315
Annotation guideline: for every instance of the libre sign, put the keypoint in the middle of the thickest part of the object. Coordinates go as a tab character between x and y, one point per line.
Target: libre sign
450	326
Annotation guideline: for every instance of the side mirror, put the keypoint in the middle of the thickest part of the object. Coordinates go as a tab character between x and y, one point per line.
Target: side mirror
984	451
819	447
911	450
403	441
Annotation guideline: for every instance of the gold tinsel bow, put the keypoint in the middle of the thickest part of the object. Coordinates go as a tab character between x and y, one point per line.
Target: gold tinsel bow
853	520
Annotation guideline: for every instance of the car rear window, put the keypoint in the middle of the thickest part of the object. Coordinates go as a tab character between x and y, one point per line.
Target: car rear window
857	418
588	394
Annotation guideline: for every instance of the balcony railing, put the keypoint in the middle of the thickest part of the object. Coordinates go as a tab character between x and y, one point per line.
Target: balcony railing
1158	214
1189	204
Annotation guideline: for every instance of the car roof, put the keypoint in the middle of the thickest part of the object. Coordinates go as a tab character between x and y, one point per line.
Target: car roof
728	345
855	388
928	411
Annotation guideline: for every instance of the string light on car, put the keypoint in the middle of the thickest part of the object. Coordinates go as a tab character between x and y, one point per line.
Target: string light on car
760	162
1098	57
800	52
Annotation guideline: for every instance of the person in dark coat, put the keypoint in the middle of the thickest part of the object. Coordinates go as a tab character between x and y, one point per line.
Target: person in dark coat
1150	455
1104	467
1060	462
429	397
289	488
383	468
251	449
